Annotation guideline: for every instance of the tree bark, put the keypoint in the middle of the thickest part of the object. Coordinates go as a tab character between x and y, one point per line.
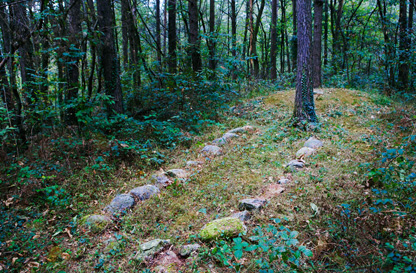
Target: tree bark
158	39
108	55
304	102
234	38
403	46
273	44
172	35
254	30
317	43
212	36
194	40
294	43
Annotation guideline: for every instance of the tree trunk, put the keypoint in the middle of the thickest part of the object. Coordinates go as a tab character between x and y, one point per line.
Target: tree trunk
194	40
124	32
294	43
158	40
326	33
317	43
108	55
234	38
254	30
403	46
73	60
304	103
212	36
273	45
172	35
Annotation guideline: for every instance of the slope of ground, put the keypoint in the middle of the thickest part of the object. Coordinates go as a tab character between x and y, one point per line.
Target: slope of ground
326	207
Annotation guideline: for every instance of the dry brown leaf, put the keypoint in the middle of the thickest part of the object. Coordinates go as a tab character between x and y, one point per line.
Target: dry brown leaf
68	231
34	264
66	256
14	260
36	236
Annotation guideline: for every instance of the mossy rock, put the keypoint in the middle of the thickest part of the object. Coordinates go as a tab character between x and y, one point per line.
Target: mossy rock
224	227
95	223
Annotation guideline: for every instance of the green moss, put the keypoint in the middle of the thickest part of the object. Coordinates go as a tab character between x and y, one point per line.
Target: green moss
225	227
95	223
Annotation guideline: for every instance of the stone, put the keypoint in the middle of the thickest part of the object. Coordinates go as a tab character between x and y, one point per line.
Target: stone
228	136
160	180
212	150
147	250
242	215
314	143
144	192
283	181
224	227
186	250
193	163
241	129
251	204
167	262
121	203
177	173
111	244
296	164
272	190
219	141
305	152
95	223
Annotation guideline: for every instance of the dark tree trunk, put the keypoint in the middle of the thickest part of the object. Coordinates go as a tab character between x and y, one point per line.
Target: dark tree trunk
172	35
304	103
211	42
246	28
282	35
194	40
158	40
73	50
234	37
6	91
403	46
326	33
317	44
273	44
108	55
125	32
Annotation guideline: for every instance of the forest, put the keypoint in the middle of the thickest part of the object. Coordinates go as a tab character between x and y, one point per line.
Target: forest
207	136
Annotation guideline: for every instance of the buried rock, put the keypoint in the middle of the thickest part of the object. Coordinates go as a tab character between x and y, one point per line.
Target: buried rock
95	223
193	163
121	203
224	227
219	141
242	215
294	166
187	250
177	173
313	143
251	204
147	250
167	262
212	150
241	129
305	152
160	180
144	192
228	136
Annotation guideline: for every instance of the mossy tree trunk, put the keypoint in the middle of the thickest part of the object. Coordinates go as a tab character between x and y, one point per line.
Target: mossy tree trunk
304	104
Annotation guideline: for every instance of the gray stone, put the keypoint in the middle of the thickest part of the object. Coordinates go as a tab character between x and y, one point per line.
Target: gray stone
111	244
318	92
251	204
228	136
296	164
167	262
121	203
186	250
241	129
95	223
177	173
144	192
147	250
283	181
242	215
193	163
160	180
219	141
314	143
212	150
305	152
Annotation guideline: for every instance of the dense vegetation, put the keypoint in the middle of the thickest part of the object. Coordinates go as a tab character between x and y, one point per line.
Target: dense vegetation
96	94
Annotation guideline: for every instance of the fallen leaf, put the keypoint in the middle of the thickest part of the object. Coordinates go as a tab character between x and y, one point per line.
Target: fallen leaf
66	256
34	264
68	231
14	260
36	236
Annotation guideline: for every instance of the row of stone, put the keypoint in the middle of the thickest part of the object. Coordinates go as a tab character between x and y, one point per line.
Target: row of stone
234	225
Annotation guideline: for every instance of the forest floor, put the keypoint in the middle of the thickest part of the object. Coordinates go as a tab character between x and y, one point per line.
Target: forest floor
329	203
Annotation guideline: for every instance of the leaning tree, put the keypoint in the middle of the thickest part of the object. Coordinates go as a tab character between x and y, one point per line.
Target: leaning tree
304	104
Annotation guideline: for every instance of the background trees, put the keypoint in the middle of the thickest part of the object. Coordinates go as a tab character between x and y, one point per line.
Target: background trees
64	57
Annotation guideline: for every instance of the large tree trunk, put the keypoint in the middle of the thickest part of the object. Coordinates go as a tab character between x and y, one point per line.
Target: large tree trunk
108	55
194	40
294	43
172	35
73	59
403	46
234	37
125	32
273	45
317	44
158	40
304	103
326	33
